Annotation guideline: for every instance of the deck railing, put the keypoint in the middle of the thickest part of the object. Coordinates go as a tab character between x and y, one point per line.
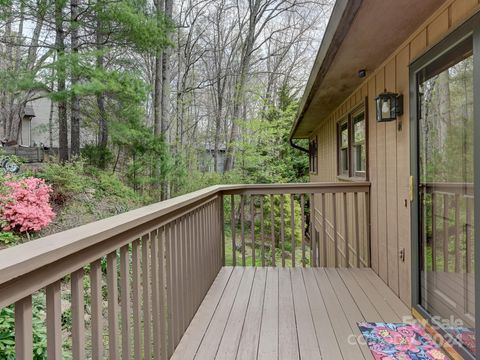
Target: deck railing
133	282
450	225
281	217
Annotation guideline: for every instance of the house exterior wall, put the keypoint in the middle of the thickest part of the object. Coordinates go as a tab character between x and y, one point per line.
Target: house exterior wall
40	123
25	136
388	149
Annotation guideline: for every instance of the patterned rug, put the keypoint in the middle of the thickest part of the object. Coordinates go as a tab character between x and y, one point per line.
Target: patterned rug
465	336
389	341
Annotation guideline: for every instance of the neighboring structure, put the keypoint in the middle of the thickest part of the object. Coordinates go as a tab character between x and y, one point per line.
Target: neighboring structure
422	237
44	129
206	159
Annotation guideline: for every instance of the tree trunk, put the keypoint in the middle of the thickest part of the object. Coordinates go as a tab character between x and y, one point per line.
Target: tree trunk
239	91
102	140
75	100
62	104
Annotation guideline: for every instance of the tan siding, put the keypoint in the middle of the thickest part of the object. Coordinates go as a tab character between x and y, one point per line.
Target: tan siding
437	28
391	185
460	9
372	160
419	43
403	171
389	154
381	186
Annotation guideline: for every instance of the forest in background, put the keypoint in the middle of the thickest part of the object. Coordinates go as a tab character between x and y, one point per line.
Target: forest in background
143	89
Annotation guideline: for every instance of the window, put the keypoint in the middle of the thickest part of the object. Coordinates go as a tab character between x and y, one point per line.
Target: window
352	149
313	155
359	155
343	162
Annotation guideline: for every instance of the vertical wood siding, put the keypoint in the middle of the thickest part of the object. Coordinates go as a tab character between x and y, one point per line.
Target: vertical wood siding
389	154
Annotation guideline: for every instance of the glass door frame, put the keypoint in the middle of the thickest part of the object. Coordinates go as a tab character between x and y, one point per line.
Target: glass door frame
471	28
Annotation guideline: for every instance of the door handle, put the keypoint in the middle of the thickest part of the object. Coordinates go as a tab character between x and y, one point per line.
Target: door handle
410	188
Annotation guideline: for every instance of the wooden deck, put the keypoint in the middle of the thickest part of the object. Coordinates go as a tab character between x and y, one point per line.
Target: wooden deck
288	313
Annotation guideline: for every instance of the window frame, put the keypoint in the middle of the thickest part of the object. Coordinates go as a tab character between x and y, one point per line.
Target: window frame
351	173
354	116
313	155
342	125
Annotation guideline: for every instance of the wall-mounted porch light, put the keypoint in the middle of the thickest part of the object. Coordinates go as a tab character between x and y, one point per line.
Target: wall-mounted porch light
389	106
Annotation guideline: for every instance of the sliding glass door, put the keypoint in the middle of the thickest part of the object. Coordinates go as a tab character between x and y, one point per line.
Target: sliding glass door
446	191
443	159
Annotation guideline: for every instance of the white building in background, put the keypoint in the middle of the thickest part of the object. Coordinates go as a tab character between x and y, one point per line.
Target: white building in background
38	115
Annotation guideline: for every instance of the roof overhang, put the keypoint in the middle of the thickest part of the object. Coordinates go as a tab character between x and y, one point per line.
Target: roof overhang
361	34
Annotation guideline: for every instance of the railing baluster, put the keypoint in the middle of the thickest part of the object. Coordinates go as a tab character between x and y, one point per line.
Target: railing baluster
155	294
457	234
188	224
242	226
184	298
368	224
324	231
196	260
208	237
78	316
445	233
112	289
54	321
97	317
282	227
335	234
147	343
357	231
233	226
345	226
161	280
468	234
262	232
302	206
252	225
125	298
434	231
313	234
23	329
272	220
222	228
204	250
292	224
168	257
136	283
176	282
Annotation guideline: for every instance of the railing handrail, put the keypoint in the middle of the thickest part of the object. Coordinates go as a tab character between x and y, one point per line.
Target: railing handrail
26	258
448	188
312	187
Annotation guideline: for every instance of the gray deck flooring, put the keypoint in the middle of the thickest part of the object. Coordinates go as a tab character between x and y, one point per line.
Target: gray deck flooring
283	313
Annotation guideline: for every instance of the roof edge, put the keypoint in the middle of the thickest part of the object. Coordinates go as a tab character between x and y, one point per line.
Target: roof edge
343	13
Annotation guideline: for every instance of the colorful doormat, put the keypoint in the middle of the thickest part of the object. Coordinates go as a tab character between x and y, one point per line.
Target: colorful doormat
389	341
465	336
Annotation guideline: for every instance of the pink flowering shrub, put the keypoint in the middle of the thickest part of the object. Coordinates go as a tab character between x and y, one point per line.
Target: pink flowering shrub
25	205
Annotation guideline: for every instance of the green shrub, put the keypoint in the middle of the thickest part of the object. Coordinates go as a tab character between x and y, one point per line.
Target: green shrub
96	155
68	178
7	331
8	238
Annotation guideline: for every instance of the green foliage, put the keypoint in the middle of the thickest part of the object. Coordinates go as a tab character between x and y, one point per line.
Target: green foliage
66	178
7	331
97	155
8	238
147	33
265	155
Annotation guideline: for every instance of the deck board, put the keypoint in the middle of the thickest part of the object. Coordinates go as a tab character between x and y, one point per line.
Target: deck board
283	313
268	343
